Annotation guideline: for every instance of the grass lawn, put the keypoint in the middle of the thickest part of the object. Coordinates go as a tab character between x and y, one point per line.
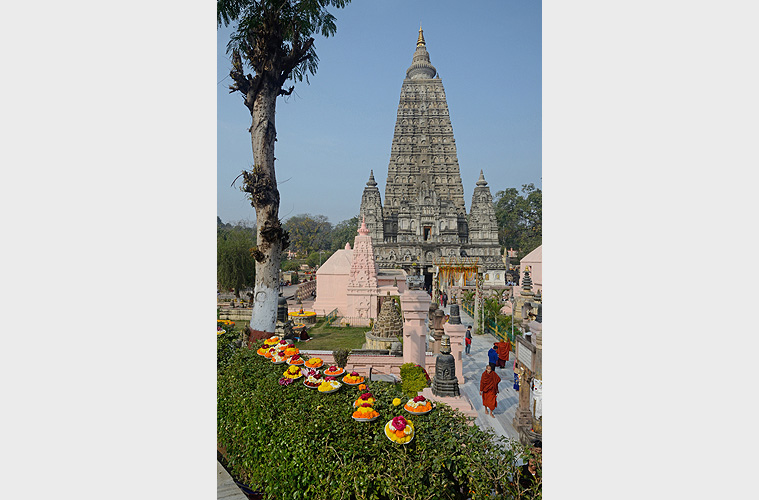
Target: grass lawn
325	338
328	339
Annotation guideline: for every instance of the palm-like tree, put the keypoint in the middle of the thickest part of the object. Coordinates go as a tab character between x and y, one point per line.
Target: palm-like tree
274	39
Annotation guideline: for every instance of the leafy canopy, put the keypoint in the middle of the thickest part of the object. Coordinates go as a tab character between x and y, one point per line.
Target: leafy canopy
308	233
344	232
276	35
520	218
235	266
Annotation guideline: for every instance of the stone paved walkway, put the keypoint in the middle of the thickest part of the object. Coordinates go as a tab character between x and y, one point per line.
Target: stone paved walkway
226	489
474	365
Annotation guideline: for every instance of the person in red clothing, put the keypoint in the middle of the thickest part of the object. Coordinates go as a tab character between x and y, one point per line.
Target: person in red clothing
503	349
489	389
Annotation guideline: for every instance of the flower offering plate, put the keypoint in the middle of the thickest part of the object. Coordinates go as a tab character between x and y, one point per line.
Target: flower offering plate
365	419
334	374
315	366
355	383
387	435
418	412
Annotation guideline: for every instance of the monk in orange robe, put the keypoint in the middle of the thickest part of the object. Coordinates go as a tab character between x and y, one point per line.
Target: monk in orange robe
503	349
489	389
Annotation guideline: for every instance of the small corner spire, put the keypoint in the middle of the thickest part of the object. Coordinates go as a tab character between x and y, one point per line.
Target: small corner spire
481	181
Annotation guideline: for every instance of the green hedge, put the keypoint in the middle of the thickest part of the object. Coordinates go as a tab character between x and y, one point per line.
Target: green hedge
413	379
294	442
225	345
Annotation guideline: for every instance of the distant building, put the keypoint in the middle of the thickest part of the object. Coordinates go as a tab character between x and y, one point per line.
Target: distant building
534	261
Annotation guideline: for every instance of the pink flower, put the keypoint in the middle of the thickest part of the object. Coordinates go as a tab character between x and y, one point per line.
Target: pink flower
329	379
399	423
366	395
418	399
354	374
366	405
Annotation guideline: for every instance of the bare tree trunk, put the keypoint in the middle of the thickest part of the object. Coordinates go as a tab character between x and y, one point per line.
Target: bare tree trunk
261	184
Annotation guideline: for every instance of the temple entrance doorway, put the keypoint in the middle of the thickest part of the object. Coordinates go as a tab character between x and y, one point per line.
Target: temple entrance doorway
428	280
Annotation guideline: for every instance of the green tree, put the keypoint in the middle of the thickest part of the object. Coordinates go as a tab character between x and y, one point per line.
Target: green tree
274	39
235	266
314	259
344	232
492	308
290	265
520	218
308	233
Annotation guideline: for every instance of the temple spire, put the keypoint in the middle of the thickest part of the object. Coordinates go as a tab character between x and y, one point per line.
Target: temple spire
371	182
363	230
481	181
420	63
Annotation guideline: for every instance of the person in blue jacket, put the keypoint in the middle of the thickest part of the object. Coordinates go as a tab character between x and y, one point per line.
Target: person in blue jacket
493	356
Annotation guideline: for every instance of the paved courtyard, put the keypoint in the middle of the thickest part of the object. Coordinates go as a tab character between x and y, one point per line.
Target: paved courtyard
473	366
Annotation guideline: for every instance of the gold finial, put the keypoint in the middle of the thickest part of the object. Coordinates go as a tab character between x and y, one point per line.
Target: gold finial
420	41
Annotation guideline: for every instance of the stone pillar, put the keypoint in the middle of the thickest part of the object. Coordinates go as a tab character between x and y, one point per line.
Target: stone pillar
437	320
536	327
477	305
525	370
415	306
456	331
523	415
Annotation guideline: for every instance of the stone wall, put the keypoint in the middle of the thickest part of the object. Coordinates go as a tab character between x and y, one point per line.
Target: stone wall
236	314
381	365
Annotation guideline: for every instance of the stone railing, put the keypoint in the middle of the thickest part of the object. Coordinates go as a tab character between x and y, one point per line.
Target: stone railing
236	314
305	290
351	321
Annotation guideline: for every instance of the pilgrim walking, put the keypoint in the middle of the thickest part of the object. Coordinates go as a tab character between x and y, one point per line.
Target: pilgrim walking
468	340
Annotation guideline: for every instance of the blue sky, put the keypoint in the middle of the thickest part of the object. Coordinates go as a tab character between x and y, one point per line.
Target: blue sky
332	132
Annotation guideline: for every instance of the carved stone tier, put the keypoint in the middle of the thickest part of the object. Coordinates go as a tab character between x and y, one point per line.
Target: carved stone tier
381	343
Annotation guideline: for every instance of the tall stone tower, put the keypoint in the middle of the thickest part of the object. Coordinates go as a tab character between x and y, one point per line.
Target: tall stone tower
483	227
424	216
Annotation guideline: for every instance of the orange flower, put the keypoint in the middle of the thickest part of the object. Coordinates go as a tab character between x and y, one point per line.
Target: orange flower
362	387
400	434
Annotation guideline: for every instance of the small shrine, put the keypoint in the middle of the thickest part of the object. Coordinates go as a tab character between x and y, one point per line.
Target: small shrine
388	329
444	383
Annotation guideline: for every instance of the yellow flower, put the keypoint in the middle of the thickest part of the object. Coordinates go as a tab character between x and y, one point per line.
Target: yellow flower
396	401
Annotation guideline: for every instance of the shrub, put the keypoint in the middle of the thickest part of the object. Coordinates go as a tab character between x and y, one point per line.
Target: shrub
294	442
341	357
225	345
414	378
